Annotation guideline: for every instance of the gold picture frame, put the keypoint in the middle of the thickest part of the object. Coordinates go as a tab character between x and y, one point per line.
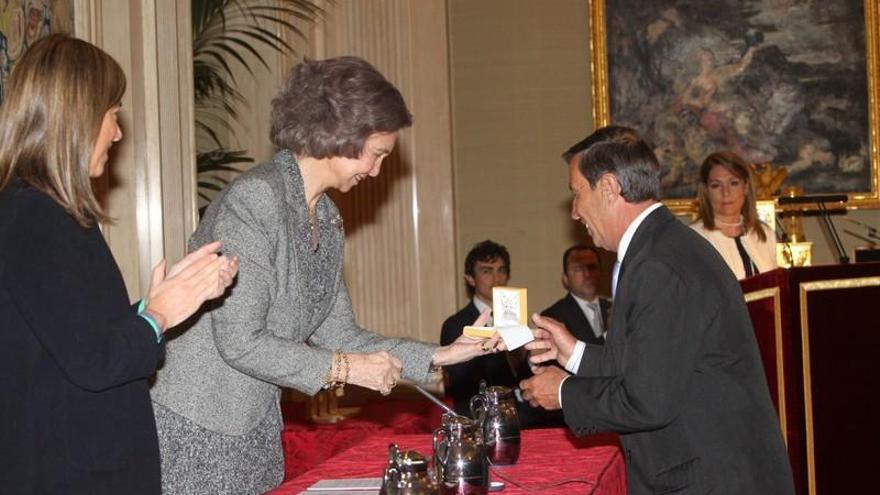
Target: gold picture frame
868	193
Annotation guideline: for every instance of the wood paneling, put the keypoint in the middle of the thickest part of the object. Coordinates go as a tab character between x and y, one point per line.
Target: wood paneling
148	187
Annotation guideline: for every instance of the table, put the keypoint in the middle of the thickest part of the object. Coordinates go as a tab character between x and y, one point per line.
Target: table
308	444
552	461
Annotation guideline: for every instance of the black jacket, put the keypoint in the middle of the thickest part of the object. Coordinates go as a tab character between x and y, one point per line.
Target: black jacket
679	377
75	413
567	311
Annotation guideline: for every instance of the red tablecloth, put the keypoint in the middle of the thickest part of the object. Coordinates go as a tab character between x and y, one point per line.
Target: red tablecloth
308	444
552	461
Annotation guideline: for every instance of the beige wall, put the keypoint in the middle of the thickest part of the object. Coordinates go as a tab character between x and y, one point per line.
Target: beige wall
521	96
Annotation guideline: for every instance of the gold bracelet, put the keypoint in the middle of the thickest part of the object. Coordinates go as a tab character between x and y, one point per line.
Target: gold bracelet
337	377
347	368
329	379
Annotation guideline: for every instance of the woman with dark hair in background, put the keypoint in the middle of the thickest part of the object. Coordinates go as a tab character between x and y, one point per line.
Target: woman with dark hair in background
75	355
728	218
288	322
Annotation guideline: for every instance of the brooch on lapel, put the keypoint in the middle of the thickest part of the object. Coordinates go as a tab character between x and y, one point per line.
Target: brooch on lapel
337	221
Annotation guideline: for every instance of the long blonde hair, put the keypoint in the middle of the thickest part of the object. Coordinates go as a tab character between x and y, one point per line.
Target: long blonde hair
731	162
56	98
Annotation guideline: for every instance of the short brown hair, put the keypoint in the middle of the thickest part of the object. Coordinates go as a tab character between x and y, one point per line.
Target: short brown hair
56	98
622	152
330	107
487	251
734	164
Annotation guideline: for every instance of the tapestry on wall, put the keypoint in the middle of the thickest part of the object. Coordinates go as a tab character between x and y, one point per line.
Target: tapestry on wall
24	21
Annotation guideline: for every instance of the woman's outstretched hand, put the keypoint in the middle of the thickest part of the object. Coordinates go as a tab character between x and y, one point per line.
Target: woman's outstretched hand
378	371
202	275
465	348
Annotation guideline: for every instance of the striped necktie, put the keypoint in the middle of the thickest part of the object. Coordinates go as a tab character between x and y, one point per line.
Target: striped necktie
596	317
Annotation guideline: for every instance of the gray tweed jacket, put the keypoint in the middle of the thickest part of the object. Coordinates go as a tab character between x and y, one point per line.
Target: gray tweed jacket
286	314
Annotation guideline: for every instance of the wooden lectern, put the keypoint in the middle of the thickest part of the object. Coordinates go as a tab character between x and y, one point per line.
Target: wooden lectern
819	335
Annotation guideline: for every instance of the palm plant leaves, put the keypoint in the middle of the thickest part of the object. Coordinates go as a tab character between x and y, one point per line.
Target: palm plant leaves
208	163
227	32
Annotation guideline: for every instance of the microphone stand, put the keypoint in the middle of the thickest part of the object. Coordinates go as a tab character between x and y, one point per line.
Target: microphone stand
868	239
782	235
872	232
829	226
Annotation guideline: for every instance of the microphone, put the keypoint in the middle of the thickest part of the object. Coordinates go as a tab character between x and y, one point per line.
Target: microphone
820	200
813	198
783	237
871	230
781	234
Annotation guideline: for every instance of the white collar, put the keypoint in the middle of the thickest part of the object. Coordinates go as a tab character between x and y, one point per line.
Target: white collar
594	316
583	302
481	306
631	230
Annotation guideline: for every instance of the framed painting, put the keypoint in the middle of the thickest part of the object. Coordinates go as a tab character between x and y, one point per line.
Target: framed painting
790	83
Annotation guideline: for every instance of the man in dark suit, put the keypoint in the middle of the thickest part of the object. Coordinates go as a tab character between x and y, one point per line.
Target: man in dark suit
582	311
487	265
680	378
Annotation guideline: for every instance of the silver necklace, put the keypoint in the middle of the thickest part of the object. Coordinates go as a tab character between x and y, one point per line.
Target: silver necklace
313	224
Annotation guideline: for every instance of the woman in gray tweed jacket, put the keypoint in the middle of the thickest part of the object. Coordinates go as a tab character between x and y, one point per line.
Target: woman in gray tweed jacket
288	321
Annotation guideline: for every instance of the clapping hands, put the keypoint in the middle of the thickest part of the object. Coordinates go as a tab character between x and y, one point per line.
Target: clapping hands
202	275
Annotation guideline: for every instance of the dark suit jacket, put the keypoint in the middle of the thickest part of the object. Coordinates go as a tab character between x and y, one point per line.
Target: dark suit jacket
568	312
75	413
463	380
680	377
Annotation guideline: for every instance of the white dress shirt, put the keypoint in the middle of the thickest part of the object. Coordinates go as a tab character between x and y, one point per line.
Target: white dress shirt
482	306
593	311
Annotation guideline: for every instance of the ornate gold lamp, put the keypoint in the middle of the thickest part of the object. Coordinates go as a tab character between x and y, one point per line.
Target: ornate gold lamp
797	251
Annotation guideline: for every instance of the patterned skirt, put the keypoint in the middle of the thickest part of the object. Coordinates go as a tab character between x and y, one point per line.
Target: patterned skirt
198	461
